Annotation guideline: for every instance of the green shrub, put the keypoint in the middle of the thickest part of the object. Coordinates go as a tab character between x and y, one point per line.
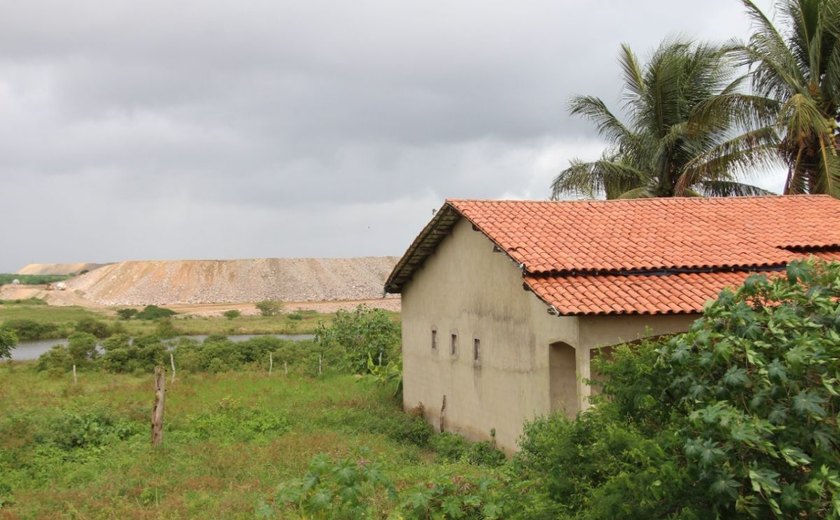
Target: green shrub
153	312
98	328
232	422
30	330
82	348
124	355
232	314
340	490
90	429
55	360
166	329
127	313
364	334
735	418
404	427
8	340
269	307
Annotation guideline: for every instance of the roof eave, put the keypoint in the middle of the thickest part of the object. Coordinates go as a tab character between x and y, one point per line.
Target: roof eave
422	247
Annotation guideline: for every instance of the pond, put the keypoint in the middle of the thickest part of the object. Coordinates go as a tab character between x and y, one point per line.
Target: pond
29	350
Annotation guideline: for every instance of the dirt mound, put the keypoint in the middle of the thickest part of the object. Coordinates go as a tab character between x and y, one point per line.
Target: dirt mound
234	281
58	268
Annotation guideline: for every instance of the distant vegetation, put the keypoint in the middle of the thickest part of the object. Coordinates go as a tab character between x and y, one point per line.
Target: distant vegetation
33	279
270	307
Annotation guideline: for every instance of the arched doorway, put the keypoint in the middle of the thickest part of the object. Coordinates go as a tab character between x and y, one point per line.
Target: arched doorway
563	382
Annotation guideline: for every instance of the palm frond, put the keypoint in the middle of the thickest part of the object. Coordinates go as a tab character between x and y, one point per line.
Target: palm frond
730	189
594	109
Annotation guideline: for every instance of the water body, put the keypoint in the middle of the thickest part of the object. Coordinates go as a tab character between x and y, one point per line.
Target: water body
29	350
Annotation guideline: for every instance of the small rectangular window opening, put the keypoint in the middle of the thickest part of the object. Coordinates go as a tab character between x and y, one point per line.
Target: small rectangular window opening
453	345
476	350
434	339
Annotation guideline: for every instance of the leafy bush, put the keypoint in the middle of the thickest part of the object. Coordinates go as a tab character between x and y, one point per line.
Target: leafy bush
451	447
56	359
364	334
127	313
8	340
82	348
30	330
124	355
735	418
269	307
98	328
153	312
232	314
90	429
340	490
352	488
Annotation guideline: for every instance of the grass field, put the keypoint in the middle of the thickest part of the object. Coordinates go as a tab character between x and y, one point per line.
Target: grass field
83	451
295	322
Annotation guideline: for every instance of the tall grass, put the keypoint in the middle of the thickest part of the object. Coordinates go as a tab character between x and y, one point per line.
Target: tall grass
83	450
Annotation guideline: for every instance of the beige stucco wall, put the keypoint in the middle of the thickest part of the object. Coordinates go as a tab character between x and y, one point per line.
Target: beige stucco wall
467	289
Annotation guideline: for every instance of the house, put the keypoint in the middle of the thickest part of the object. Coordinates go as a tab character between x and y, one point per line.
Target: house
505	303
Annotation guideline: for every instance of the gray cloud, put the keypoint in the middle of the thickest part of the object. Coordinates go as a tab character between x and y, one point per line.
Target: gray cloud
295	128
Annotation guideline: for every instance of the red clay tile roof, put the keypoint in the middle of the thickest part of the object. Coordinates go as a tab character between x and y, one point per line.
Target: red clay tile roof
644	256
647	234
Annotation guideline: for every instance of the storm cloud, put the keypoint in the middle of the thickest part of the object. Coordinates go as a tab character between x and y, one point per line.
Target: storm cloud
208	129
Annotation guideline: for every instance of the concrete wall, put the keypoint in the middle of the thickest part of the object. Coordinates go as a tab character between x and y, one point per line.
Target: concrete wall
468	290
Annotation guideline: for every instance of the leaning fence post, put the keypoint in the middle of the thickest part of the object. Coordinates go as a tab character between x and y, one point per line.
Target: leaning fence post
285	369
320	360
157	409
172	362
270	363
75	381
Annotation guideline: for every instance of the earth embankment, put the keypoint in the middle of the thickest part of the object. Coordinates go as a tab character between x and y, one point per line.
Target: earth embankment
171	282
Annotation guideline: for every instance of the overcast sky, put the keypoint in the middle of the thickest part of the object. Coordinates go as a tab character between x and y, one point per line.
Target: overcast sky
210	129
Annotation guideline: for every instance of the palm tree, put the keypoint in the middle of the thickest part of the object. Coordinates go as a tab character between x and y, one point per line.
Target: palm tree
673	144
798	73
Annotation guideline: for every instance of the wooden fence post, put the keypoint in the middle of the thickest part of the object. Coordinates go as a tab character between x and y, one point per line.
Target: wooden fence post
270	363
157	410
285	369
319	364
75	381
172	362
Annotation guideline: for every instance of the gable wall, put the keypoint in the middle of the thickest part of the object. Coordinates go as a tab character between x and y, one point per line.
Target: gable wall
467	289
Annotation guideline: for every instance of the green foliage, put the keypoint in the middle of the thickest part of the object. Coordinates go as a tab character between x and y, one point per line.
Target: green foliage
364	334
24	301
89	429
82	348
451	447
670	144
57	359
350	488
127	313
758	379
122	354
8	340
153	312
735	418
32	279
31	330
232	314
98	328
232	422
335	490
269	307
